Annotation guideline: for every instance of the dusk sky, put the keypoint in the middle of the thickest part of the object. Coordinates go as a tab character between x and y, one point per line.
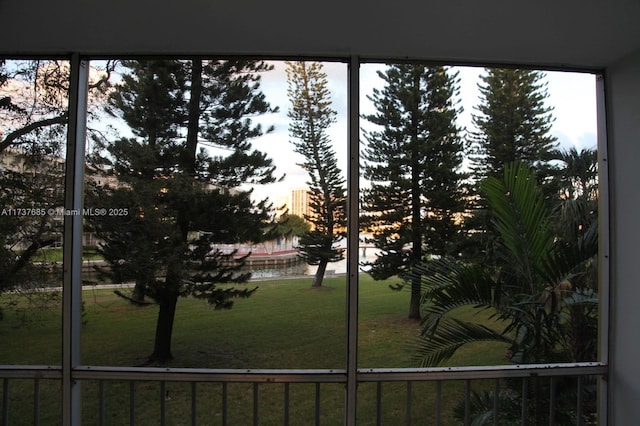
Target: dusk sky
572	96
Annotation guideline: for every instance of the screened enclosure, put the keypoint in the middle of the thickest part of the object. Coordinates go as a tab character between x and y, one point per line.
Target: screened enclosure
305	228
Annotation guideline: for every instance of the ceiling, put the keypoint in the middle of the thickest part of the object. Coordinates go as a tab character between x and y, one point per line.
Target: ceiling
581	34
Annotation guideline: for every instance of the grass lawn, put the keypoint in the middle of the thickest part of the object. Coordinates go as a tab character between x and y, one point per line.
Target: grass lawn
285	324
55	255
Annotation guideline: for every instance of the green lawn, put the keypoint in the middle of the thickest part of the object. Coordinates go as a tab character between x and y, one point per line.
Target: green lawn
285	324
55	255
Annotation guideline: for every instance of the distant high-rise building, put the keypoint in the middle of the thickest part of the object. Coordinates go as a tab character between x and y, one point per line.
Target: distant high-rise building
300	202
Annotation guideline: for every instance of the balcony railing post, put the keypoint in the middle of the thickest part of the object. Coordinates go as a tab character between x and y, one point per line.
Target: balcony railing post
102	408
194	407
378	403
317	413
467	402
525	401
579	421
286	404
36	402
164	395
132	403
255	405
552	401
438	402
224	404
409	403
5	402
496	401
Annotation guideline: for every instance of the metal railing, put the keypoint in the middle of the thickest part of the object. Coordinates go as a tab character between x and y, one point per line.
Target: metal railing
142	395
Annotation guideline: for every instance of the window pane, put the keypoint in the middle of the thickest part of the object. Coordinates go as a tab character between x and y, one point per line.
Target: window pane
197	207
33	125
482	261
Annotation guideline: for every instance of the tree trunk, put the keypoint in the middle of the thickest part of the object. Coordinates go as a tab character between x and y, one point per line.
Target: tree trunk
164	326
322	267
193	124
414	303
139	290
164	330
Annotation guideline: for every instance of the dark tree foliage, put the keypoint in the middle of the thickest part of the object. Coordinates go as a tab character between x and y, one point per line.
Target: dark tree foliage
33	121
414	205
33	116
291	225
311	115
575	208
513	122
577	174
541	292
542	287
181	199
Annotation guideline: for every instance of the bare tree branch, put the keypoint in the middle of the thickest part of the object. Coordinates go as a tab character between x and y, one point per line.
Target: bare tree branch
11	137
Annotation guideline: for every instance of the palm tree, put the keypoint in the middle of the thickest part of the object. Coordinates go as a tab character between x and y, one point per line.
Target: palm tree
533	290
577	212
538	290
579	176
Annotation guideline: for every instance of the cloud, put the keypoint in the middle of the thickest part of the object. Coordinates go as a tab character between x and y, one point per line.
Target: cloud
587	140
572	96
584	140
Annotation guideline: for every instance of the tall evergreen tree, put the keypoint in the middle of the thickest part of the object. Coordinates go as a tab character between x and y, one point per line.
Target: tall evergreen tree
182	201
151	100
414	204
311	115
513	123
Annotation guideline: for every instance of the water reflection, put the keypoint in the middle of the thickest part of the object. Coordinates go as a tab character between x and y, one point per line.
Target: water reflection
289	264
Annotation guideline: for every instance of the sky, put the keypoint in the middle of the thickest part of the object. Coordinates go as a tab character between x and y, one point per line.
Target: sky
571	95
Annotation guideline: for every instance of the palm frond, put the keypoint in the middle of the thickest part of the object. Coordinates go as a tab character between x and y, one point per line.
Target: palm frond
575	261
448	285
441	343
520	218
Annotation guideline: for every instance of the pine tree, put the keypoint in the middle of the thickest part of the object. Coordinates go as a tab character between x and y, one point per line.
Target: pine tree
150	100
414	204
311	115
513	123
182	201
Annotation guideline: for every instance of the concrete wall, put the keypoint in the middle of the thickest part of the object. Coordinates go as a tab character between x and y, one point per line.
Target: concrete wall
623	105
579	33
575	33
